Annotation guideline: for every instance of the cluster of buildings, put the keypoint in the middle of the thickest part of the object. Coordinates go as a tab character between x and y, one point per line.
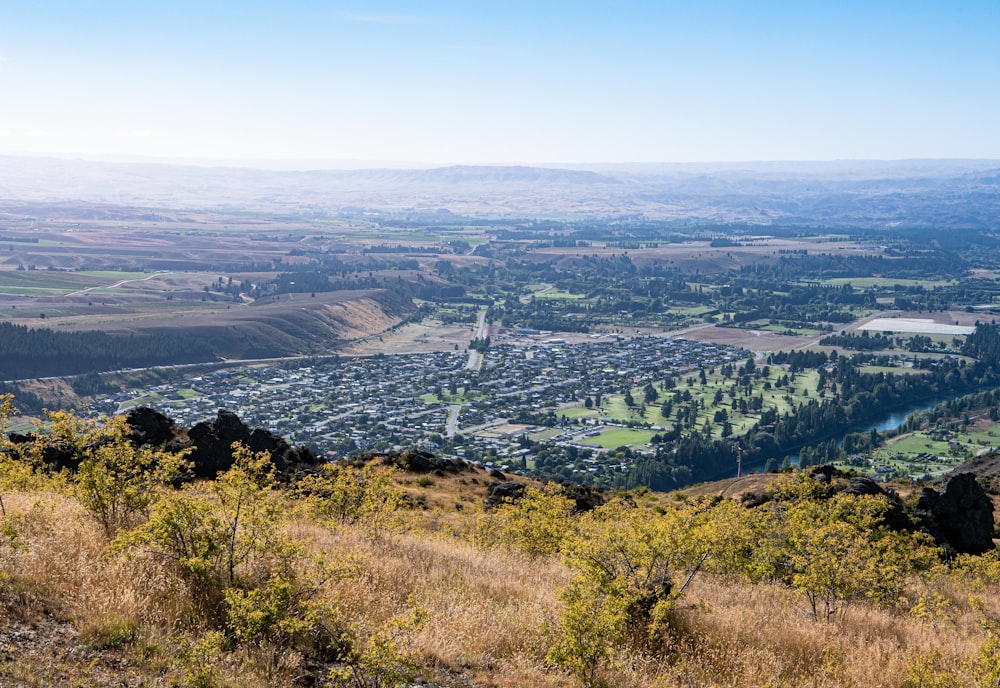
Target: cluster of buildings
345	406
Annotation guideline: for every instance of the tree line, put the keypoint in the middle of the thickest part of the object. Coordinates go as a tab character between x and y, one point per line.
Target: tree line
42	352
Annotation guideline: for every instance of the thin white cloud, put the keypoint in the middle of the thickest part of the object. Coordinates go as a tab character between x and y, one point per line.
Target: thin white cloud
4	132
133	134
385	18
36	133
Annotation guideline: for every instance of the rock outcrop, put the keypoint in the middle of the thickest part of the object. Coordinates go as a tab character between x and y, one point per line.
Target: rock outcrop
151	427
416	461
507	491
212	444
961	517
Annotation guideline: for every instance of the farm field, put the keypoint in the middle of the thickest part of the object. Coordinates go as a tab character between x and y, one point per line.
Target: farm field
556	294
864	282
59	283
931	452
754	340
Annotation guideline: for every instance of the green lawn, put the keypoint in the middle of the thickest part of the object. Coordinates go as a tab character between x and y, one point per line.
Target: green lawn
545	434
988	438
795	331
908	447
917	443
579	412
782	399
691	310
618	437
145	400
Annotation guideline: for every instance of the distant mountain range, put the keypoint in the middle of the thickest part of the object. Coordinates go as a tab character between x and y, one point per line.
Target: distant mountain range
918	193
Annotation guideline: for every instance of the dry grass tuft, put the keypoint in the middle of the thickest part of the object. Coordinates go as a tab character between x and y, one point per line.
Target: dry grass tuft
489	616
483	608
746	635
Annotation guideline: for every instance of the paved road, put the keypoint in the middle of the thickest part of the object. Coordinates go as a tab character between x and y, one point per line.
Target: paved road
475	361
451	426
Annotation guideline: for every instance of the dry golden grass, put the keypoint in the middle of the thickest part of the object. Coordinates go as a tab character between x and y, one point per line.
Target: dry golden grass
486	610
732	634
489	614
67	560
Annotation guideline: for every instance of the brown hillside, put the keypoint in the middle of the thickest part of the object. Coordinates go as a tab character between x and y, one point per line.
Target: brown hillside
294	324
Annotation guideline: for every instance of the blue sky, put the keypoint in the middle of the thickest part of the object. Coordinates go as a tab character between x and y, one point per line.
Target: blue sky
502	81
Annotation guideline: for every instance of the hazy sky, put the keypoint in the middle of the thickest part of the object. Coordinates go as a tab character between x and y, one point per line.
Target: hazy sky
502	81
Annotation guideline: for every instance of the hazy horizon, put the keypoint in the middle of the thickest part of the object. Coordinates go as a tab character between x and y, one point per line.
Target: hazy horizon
441	82
326	164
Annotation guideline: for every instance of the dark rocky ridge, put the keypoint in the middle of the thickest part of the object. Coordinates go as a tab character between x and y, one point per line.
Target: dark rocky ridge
960	517
211	443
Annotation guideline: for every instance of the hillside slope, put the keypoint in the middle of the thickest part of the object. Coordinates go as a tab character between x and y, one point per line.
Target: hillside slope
403	570
296	325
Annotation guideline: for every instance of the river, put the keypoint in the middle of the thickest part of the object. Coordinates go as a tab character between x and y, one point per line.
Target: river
896	418
891	421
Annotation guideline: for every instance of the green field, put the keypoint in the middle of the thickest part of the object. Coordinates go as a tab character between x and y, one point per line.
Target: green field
887	282
57	282
917	443
795	331
620	437
579	412
545	434
783	399
146	400
692	311
903	453
34	291
113	275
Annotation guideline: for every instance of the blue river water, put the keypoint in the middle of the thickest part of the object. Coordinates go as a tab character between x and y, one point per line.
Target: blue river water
896	418
891	421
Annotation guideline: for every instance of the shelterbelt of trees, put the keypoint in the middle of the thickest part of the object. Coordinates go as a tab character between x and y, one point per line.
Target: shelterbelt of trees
41	352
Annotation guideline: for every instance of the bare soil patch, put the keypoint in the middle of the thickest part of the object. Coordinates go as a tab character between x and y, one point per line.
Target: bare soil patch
413	338
754	340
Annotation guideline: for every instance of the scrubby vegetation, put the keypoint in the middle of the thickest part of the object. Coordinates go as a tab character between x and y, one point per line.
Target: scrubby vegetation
127	569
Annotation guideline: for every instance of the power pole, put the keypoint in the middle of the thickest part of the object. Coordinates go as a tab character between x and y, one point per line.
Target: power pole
738	448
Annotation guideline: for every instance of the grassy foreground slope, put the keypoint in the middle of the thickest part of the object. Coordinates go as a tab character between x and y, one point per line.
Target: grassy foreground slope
383	572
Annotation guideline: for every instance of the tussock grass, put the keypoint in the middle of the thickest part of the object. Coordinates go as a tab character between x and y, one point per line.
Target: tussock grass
484	608
733	634
489	615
